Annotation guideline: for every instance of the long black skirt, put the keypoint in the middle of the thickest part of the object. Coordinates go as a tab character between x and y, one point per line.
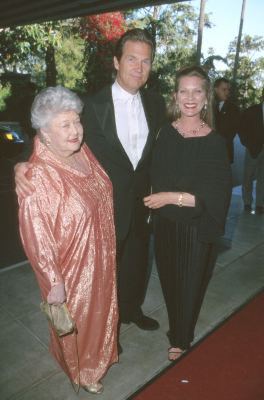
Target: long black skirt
185	266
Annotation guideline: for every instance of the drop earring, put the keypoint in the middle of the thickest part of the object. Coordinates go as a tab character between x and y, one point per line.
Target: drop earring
204	110
45	140
177	109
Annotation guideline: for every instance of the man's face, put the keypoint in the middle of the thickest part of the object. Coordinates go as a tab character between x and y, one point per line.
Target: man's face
223	91
134	66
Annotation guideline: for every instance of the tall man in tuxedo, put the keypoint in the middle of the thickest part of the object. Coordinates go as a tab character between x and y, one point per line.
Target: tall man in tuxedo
226	115
121	123
251	132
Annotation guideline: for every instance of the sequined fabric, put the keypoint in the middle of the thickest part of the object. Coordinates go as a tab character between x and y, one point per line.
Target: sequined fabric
67	230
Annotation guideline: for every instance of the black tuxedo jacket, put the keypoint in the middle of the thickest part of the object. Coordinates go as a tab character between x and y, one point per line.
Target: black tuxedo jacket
226	123
129	185
251	130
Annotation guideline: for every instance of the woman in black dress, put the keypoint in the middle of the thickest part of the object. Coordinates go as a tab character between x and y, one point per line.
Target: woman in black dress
191	189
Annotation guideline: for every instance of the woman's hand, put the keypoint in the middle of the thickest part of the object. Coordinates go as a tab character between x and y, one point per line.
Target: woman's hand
23	186
57	294
160	199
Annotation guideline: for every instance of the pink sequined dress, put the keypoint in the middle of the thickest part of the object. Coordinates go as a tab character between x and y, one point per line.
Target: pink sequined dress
67	230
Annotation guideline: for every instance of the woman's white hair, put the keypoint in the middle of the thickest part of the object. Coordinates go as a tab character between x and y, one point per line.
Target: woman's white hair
51	101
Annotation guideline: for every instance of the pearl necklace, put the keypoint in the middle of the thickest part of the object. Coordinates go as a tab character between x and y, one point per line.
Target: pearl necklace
190	133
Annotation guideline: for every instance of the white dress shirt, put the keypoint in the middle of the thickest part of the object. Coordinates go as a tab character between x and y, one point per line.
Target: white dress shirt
131	123
221	103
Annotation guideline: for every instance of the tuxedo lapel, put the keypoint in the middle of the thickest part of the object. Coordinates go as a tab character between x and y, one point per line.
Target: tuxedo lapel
104	108
149	117
147	108
224	109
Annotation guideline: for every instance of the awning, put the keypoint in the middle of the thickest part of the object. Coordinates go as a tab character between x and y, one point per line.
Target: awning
22	12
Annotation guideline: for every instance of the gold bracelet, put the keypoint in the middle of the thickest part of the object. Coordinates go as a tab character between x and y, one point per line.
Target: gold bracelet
179	203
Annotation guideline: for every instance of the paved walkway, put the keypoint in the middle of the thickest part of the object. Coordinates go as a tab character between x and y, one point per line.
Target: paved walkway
28	372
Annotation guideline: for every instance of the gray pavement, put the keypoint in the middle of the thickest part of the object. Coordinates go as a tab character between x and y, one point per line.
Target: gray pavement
28	372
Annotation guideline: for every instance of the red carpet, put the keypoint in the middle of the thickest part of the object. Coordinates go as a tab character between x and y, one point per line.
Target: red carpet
227	365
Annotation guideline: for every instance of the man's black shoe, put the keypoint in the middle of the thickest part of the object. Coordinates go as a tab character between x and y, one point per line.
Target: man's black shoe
143	322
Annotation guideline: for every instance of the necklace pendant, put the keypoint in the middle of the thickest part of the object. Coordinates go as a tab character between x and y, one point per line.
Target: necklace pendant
191	132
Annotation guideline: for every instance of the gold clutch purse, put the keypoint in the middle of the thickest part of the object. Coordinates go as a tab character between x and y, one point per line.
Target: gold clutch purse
59	317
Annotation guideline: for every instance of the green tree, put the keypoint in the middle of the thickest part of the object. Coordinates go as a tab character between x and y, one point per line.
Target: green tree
71	61
100	33
250	75
5	93
174	28
48	53
33	49
14	49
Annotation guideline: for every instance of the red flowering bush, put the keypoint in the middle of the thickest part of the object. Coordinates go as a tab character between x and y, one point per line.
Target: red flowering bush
103	28
100	32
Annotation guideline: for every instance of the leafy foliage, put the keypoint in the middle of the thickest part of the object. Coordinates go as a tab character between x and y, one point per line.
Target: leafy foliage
250	71
20	46
175	40
70	61
100	33
250	75
78	52
103	28
5	93
48	53
24	49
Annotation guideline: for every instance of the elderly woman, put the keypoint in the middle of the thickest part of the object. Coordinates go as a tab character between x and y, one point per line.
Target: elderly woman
67	230
191	185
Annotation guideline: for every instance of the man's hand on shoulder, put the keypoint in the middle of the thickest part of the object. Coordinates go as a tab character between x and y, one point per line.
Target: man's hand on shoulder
23	186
